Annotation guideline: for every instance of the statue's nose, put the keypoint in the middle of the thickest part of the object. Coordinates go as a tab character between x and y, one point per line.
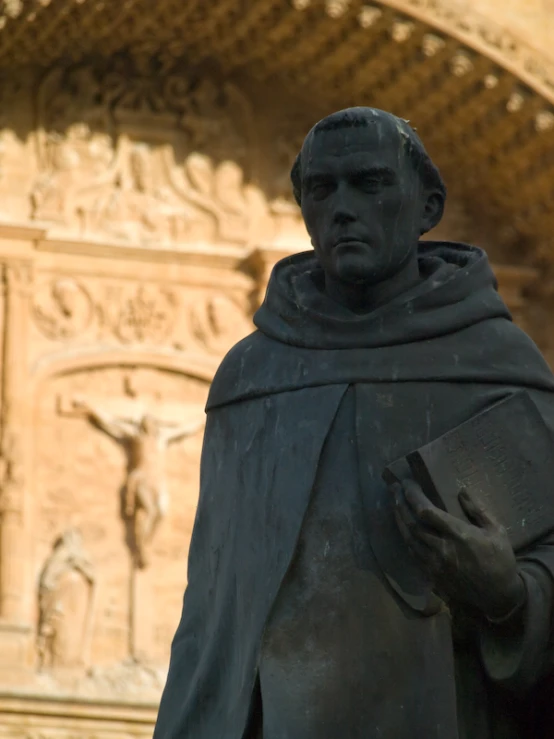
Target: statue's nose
344	216
343	211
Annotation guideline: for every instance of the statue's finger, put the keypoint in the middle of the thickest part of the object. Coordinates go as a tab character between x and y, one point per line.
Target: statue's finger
427	513
442	523
415	496
438	544
476	511
425	554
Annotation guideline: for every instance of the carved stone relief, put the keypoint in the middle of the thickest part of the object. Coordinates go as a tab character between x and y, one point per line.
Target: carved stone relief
218	323
66	593
62	309
146	437
143	313
134	501
84	312
135	167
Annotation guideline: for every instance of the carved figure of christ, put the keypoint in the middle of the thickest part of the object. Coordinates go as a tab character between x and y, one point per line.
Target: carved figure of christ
146	497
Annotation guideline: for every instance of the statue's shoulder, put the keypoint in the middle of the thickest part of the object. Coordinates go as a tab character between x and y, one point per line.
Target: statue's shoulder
239	362
236	356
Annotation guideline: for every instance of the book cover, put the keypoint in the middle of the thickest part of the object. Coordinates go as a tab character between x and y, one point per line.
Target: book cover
504	456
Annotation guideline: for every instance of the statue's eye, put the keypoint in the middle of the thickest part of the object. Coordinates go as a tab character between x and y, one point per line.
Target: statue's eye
321	190
370	184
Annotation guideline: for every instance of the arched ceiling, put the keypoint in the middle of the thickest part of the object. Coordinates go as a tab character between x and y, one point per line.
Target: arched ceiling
480	97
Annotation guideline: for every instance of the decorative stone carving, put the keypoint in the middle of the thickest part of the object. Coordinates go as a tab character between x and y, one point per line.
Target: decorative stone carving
478	31
544	121
62	309
223	207
369	15
142	314
300	4
66	604
516	102
219	118
219	323
146	497
116	173
402	30
461	64
336	8
432	44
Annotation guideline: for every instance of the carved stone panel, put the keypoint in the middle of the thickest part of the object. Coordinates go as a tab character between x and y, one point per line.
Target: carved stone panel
83	312
138	314
62	309
218	322
132	156
89	488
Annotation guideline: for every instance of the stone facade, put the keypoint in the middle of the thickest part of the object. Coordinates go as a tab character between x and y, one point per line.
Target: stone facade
144	200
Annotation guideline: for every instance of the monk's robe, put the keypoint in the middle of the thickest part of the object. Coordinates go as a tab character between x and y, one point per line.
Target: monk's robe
305	616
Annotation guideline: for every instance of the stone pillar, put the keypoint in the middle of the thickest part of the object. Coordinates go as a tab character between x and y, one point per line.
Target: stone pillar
16	434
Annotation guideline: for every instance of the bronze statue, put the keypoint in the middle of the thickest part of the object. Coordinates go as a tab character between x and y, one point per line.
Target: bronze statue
321	602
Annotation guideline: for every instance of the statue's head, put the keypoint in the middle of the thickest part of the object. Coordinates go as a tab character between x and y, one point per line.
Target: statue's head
368	190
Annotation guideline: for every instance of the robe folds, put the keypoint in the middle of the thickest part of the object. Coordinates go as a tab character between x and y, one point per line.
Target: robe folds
420	365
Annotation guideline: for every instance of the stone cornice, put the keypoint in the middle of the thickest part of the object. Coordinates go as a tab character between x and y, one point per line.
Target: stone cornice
20	701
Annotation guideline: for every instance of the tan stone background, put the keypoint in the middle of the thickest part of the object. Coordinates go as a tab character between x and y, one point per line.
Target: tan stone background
533	20
144	198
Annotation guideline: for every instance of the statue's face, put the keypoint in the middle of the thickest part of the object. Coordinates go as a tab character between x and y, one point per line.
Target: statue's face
362	201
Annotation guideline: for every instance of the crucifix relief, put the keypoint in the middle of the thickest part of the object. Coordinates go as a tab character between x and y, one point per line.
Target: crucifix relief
146	439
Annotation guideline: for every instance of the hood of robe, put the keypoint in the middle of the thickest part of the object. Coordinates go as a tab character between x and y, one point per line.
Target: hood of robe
453	326
458	289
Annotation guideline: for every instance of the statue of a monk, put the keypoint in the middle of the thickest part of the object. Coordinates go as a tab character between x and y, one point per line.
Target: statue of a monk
294	624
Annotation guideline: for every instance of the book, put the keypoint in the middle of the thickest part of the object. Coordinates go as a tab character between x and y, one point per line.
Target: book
503	456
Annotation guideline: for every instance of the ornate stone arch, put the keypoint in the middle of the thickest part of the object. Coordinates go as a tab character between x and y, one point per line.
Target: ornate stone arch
485	36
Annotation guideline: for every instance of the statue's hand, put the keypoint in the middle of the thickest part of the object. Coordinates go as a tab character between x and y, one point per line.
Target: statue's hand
469	563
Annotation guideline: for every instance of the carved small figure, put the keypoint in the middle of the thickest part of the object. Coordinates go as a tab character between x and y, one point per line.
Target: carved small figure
63	309
146	497
218	323
66	604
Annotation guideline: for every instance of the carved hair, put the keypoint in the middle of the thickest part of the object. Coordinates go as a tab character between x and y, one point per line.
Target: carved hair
362	118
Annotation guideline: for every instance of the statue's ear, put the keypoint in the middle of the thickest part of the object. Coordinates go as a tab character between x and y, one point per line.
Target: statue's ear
433	210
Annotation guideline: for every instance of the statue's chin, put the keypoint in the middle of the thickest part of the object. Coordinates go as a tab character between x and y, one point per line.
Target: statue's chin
357	275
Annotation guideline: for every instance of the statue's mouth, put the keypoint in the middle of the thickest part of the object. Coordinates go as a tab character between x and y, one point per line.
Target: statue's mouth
345	240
